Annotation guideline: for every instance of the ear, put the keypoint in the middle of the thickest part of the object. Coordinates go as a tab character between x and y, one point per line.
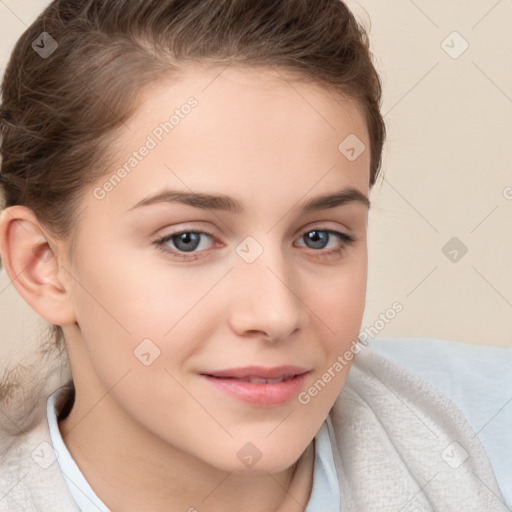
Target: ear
33	266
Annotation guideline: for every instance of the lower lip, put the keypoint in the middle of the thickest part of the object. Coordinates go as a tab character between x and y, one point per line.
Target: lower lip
260	393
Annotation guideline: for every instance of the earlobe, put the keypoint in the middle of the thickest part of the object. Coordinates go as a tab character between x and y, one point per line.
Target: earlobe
32	265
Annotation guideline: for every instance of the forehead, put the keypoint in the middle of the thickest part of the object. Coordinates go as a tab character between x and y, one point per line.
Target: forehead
243	90
248	127
260	101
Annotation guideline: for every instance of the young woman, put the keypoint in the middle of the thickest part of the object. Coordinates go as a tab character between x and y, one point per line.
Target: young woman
186	193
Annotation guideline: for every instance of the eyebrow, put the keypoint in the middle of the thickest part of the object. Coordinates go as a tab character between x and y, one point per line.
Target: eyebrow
225	203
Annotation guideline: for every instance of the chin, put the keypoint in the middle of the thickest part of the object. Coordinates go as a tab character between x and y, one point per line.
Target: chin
256	459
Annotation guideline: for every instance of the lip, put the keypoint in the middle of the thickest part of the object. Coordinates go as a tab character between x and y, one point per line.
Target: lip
261	372
264	394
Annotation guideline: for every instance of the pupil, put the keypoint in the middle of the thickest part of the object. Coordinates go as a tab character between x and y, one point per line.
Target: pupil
186	238
318	237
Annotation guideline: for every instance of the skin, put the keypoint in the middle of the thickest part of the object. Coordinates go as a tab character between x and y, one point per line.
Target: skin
159	437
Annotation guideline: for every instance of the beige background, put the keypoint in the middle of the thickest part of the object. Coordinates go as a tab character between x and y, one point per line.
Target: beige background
446	172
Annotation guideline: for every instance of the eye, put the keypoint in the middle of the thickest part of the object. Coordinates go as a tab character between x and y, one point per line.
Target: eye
317	239
186	243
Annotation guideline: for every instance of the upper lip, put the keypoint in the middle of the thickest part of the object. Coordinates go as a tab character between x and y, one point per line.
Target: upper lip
259	372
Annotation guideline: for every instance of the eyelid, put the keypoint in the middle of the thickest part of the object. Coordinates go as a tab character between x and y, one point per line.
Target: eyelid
316	225
345	241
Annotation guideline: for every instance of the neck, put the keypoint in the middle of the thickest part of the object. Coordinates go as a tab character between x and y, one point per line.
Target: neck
131	469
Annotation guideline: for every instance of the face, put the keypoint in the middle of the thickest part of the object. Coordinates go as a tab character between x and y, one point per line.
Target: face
175	297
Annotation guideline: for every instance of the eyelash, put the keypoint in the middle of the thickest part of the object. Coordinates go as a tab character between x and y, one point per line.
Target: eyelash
346	241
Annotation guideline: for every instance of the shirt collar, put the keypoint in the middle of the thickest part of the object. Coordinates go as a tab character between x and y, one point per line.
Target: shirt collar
80	490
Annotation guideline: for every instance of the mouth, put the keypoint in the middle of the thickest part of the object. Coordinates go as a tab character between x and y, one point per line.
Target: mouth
257	380
258	385
276	373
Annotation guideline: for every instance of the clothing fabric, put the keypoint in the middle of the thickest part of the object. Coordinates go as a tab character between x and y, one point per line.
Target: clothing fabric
400	437
80	490
396	443
477	378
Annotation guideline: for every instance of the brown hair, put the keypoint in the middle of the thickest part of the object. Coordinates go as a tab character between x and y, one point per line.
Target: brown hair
60	111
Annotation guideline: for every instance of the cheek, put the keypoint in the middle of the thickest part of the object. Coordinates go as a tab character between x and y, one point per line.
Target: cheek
139	318
339	300
127	295
339	309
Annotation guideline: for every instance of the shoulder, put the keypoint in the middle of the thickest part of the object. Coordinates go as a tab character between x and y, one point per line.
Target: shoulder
477	378
30	476
397	434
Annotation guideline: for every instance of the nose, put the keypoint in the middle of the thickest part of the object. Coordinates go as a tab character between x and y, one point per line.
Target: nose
266	298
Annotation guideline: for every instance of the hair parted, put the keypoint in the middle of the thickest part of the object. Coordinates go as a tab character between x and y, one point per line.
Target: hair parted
59	115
